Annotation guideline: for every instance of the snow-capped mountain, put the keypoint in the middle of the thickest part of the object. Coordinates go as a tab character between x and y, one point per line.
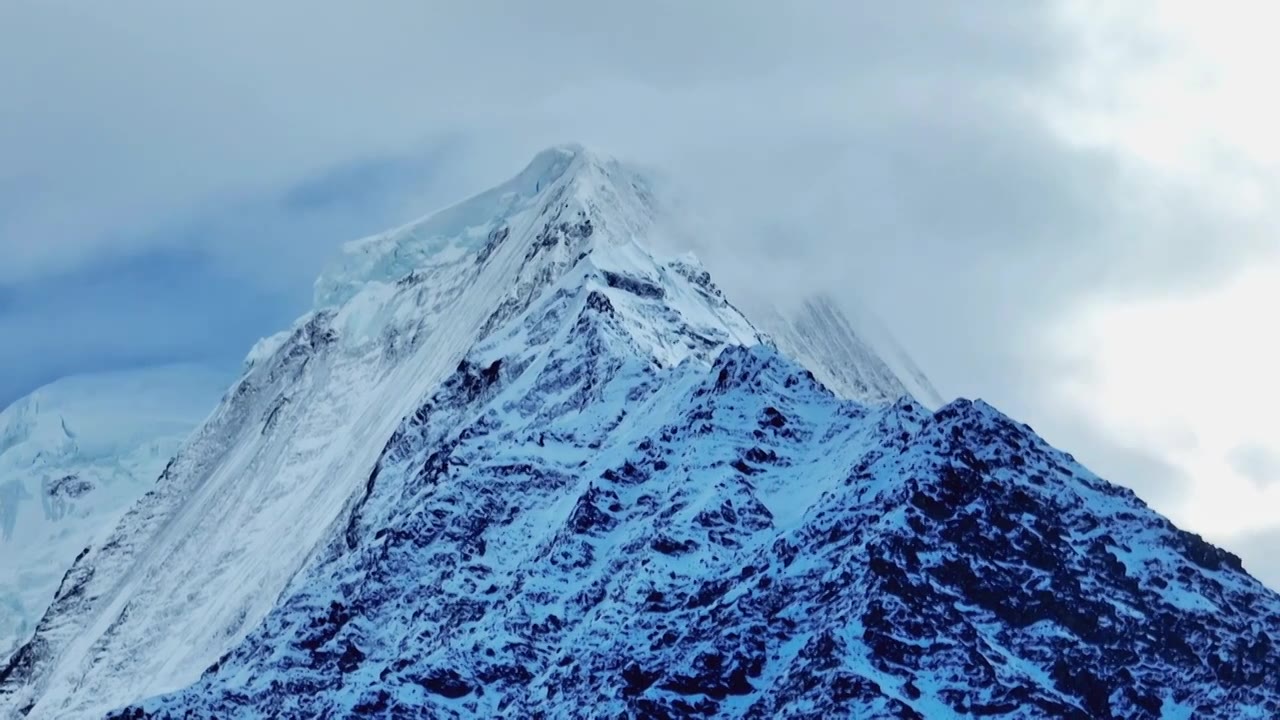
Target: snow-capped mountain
516	465
74	455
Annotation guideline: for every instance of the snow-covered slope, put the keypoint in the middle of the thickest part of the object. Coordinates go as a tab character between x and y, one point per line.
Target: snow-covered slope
74	455
515	465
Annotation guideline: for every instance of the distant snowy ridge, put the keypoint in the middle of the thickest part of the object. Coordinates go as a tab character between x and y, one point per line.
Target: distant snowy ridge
75	454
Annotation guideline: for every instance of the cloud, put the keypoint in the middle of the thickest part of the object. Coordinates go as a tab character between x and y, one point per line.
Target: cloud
209	285
1155	479
120	118
903	140
164	306
1257	462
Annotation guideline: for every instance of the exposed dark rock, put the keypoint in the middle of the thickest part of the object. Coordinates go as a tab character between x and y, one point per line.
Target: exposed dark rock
633	285
447	683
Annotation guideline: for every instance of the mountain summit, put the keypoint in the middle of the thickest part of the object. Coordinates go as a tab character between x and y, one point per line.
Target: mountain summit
514	464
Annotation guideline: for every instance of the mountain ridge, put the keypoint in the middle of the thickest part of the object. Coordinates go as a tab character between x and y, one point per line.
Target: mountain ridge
513	462
930	529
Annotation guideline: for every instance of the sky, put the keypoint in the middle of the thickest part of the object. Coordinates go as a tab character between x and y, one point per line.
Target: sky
1066	208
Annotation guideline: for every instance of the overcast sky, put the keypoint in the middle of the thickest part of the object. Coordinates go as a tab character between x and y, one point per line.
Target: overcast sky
1067	209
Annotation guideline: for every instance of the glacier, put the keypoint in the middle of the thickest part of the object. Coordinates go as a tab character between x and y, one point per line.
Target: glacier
514	463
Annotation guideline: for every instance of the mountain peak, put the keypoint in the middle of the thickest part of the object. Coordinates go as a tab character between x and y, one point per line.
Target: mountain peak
551	165
552	162
562	184
567	205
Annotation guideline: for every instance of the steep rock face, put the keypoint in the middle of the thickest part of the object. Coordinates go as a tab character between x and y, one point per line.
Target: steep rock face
74	455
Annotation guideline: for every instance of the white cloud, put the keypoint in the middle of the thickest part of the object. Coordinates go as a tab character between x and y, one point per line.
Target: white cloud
1189	375
1192	378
